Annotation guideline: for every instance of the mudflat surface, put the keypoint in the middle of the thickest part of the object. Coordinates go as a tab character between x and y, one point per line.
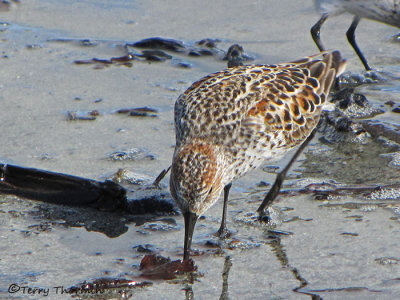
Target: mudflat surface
342	245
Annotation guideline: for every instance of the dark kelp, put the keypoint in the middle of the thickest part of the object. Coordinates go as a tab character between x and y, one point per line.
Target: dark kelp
63	189
60	188
155	49
159	267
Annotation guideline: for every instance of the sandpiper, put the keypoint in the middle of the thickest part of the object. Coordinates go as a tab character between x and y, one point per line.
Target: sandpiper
232	121
385	11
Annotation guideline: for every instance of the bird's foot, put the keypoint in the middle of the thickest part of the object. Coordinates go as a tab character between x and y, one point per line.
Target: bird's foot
264	218
264	215
270	216
223	233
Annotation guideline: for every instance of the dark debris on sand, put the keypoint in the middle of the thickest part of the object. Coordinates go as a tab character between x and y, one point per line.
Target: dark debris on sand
157	49
139	111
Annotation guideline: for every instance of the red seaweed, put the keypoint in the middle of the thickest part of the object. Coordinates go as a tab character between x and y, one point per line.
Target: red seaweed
159	267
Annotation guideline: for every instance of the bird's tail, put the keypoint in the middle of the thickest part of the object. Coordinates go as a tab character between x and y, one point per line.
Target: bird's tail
325	67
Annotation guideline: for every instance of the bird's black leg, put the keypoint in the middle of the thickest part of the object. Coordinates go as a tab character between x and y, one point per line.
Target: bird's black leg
223	232
315	32
274	191
351	37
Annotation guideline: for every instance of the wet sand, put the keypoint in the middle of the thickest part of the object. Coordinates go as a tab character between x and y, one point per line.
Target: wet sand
343	246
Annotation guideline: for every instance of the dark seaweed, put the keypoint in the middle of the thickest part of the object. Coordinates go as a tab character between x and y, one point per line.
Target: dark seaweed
159	267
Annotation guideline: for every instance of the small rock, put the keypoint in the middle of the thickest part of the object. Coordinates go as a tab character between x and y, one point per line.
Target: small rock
148	248
387	260
131	154
396	110
139	111
160	43
390	103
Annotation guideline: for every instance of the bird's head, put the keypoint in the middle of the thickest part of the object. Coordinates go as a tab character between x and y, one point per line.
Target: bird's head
196	182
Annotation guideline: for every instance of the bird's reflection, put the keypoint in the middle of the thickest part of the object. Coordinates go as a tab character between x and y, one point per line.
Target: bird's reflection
225	275
275	243
274	240
189	294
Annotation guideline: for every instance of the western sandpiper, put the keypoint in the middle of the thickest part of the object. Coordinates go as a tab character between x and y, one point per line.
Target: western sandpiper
385	11
230	122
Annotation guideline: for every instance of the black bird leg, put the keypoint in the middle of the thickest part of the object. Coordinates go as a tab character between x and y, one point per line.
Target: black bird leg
351	37
315	32
223	232
274	191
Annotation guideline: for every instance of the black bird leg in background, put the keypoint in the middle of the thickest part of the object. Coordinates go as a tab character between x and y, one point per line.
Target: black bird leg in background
315	32
351	37
274	191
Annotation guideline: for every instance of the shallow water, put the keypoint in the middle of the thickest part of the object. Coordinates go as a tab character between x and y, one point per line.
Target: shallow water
344	245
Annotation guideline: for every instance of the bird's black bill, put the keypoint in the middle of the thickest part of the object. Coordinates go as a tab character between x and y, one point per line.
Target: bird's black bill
190	221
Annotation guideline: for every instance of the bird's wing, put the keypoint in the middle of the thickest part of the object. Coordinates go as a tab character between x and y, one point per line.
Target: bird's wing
268	105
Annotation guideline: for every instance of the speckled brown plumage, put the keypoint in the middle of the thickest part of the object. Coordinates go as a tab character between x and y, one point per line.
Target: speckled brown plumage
231	121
